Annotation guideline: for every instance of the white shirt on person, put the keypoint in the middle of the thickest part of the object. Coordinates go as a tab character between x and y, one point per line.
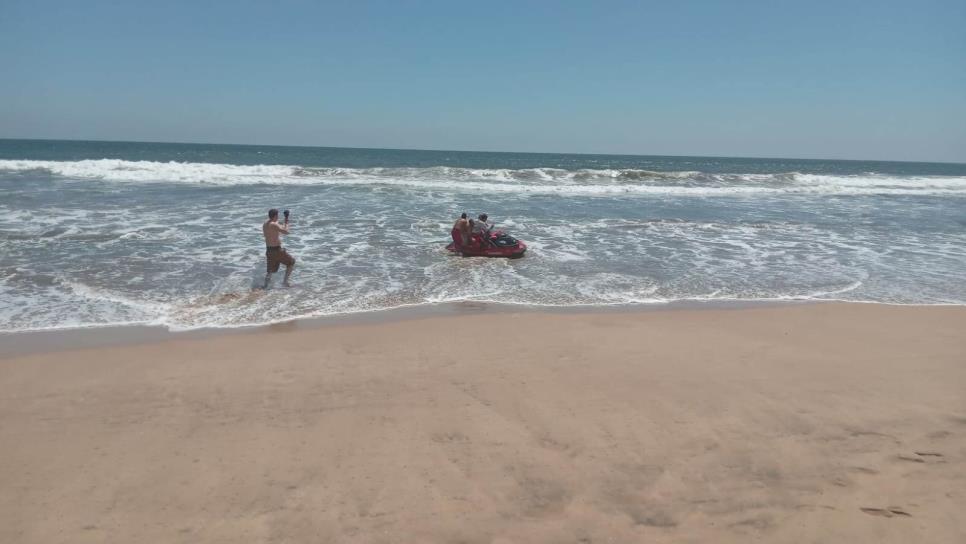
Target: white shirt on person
480	227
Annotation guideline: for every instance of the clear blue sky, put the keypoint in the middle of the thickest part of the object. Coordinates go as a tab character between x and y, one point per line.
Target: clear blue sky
873	79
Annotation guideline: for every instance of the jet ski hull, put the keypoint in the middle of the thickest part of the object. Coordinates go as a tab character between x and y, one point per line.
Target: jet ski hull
501	245
514	252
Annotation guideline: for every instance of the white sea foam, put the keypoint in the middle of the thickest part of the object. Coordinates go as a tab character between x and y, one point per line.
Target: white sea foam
110	247
148	171
584	182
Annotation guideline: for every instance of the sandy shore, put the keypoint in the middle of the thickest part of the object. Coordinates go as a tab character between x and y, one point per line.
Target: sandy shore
813	423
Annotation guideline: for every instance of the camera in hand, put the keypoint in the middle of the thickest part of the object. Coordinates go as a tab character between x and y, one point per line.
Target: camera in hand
286	214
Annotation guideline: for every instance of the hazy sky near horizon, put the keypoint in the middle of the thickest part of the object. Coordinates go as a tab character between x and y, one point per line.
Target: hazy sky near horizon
847	79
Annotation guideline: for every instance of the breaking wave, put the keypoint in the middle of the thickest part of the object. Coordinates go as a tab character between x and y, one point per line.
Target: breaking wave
582	182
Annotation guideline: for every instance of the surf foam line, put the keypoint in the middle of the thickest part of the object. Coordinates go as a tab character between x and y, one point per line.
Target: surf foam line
180	326
553	181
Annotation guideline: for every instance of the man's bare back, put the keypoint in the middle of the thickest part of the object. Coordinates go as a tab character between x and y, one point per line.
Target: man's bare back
463	226
273	231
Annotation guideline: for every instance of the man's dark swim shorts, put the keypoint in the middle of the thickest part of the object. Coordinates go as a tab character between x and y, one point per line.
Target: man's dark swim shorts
277	256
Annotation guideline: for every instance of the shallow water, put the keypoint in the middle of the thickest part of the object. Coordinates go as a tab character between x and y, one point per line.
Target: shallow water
97	233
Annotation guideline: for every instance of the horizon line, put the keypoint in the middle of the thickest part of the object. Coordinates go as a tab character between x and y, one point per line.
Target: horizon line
480	151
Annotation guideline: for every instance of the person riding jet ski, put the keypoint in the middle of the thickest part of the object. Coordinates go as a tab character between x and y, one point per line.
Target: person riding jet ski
461	231
481	230
484	241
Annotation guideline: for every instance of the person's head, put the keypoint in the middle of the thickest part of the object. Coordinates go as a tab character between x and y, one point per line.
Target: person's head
483	217
463	215
273	214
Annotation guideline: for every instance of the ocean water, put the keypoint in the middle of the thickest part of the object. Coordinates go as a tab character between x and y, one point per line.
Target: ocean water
96	233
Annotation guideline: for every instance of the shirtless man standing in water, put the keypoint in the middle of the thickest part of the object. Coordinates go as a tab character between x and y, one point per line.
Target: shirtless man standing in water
274	253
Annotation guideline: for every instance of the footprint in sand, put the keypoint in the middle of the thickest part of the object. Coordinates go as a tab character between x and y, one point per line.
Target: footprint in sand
911	458
920	456
444	438
889	512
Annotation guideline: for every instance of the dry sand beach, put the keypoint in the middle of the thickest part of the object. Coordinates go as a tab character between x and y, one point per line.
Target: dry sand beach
810	423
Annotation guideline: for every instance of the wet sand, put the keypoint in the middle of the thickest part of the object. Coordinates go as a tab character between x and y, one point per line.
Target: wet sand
812	423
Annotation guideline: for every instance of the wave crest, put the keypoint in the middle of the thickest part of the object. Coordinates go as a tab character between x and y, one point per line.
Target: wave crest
583	182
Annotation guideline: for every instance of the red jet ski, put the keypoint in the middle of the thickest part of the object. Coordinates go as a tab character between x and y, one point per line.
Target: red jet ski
500	244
